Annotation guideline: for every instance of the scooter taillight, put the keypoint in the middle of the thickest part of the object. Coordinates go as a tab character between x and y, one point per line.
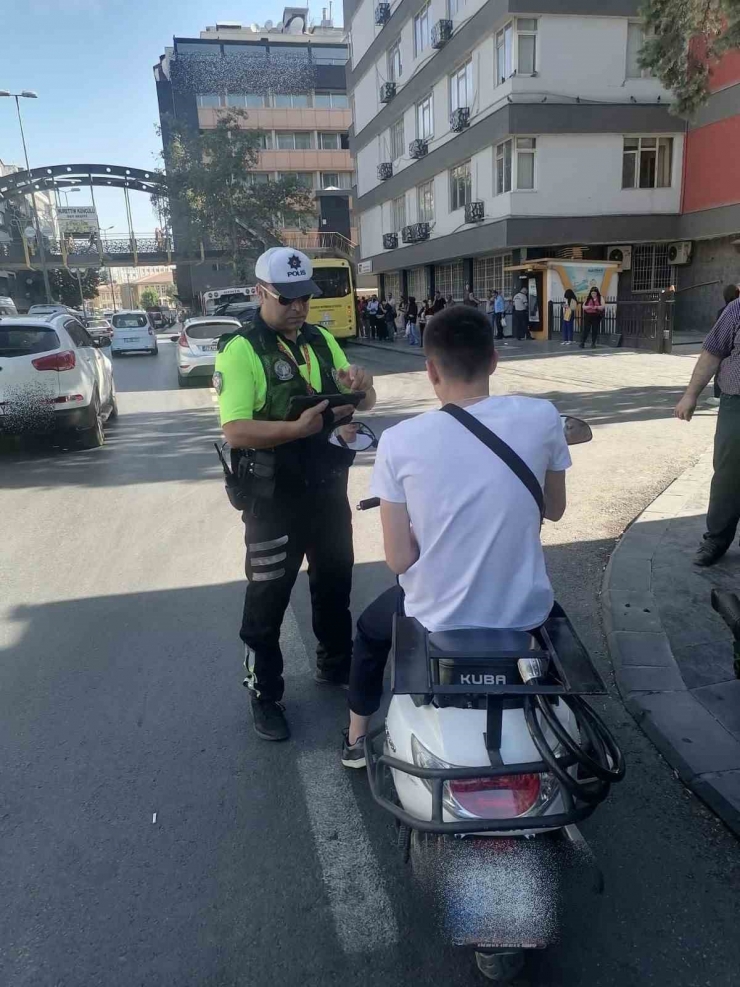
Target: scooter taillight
497	798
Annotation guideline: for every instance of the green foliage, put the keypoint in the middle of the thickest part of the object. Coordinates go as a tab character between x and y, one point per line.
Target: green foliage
211	195
149	298
66	288
686	38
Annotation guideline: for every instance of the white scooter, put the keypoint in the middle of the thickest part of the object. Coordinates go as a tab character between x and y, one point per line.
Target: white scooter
488	758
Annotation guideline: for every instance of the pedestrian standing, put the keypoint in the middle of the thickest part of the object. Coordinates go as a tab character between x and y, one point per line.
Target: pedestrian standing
372	316
439	302
491	308
412	329
593	313
291	483
720	355
520	302
730	293
469	297
499	310
426	311
390	316
570	309
449	300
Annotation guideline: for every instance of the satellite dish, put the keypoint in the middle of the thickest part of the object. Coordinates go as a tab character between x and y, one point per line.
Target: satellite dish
280	26
29	232
268	25
254	28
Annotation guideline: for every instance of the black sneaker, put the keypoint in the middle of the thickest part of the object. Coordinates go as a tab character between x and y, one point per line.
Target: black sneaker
269	719
333	676
353	755
709	552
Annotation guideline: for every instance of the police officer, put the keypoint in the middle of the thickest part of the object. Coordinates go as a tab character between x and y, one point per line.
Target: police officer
295	480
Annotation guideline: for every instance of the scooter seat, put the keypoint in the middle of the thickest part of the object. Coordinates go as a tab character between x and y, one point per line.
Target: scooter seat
481	642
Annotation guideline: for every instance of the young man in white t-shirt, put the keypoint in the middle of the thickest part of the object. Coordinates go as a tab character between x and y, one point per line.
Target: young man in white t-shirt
460	529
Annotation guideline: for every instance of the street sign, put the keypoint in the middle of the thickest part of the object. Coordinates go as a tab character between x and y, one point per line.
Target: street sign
365	267
78	220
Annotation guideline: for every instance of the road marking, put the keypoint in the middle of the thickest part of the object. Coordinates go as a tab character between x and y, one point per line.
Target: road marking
363	914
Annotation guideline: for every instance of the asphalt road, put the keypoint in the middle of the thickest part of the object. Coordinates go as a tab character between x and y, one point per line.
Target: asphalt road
147	837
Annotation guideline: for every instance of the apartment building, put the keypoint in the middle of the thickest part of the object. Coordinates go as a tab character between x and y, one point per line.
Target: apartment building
491	134
16	215
290	78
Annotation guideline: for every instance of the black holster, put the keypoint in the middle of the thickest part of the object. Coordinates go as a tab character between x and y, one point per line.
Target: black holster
250	478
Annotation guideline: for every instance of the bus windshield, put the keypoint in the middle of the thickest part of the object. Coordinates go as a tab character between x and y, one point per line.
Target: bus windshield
333	281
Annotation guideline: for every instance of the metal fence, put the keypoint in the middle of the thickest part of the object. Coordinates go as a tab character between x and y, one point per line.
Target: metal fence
636	324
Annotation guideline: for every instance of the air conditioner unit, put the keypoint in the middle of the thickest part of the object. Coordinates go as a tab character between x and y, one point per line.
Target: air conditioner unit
387	92
385	171
415	232
390	241
382	13
679	253
460	119
418	148
441	33
622	255
474	212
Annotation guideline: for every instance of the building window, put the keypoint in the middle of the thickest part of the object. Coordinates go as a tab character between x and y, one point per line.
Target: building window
393	284
425	202
636	35
454	7
265	140
460	186
395	68
255	100
526	148
331	101
503	167
398	214
303	178
504	54
449	279
301	140
490	273
647	162
418	284
209	101
329	142
461	87
421	31
295	101
336	179
397	140
258	178
425	118
328	56
526	45
650	268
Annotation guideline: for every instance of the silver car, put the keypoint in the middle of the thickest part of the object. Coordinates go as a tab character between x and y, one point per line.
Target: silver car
197	346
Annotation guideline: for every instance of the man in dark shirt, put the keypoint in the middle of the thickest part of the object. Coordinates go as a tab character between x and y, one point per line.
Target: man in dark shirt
721	356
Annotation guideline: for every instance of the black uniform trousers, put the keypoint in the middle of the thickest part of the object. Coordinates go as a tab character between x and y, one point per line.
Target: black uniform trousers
723	513
315	523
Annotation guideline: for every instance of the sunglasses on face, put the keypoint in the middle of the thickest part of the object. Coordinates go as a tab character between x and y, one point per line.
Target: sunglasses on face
302	299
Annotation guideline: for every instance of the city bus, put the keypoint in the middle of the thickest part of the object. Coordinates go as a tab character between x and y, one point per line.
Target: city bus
334	309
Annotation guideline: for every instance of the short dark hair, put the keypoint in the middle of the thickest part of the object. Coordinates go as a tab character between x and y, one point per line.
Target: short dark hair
730	293
460	340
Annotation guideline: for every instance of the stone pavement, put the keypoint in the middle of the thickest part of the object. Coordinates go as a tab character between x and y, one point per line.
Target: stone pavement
672	653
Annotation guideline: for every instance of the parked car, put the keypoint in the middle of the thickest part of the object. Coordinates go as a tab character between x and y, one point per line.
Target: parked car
7	306
55	377
99	327
133	332
243	311
51	309
197	345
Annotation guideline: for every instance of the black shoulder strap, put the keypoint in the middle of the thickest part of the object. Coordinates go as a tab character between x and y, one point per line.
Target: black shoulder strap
512	459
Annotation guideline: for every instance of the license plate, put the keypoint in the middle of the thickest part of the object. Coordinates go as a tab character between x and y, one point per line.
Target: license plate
130	339
211	348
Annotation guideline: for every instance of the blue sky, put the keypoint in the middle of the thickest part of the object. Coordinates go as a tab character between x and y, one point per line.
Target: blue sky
91	63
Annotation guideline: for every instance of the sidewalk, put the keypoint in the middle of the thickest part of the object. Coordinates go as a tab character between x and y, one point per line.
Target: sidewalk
672	654
509	346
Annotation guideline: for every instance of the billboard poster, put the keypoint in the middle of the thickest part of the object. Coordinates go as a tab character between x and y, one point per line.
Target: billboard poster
77	220
534	302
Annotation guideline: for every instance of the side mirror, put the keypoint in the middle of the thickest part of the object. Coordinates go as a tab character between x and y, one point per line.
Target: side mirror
356	437
102	342
576	431
174	339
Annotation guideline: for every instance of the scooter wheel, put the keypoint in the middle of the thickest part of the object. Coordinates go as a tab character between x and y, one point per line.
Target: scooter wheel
500	967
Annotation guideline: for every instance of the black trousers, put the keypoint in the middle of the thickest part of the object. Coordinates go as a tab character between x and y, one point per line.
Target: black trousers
591	324
724	497
318	525
521	324
498	319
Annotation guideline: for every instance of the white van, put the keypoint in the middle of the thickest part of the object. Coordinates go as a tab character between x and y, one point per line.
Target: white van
133	332
7	306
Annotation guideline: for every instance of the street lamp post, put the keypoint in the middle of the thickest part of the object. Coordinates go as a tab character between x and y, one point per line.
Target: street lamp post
30	94
76	272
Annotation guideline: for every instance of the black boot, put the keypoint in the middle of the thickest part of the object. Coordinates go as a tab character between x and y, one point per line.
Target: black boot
269	719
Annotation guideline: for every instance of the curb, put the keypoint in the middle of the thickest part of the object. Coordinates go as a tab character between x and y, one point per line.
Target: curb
389	347
703	753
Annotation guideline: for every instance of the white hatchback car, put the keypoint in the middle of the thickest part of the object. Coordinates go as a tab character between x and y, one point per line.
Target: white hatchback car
133	332
54	377
197	346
